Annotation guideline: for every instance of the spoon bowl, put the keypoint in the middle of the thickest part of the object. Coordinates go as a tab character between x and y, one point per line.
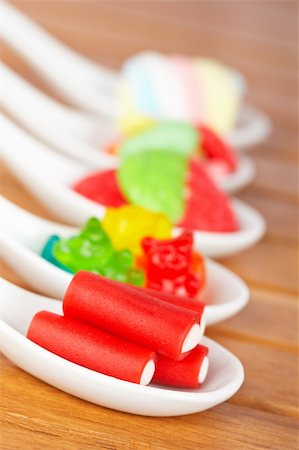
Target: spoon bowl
48	176
23	236
17	308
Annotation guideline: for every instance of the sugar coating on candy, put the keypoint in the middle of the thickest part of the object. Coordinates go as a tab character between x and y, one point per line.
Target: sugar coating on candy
130	313
169	265
92	250
207	208
92	348
129	224
190	89
189	372
101	187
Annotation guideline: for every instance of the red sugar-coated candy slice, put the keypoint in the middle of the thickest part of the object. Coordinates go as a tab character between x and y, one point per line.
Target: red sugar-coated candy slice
190	372
216	148
91	347
132	315
207	208
102	188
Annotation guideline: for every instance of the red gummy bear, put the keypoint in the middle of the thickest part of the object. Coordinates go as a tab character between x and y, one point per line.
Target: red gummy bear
169	265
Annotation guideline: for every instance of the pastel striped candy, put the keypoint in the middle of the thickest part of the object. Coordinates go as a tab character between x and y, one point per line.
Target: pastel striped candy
174	87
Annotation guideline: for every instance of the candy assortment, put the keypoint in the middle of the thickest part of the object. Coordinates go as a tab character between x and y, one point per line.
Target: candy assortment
198	140
133	246
92	250
166	168
110	328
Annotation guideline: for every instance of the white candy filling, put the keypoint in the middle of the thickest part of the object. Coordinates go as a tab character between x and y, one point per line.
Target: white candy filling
195	335
203	370
148	373
192	338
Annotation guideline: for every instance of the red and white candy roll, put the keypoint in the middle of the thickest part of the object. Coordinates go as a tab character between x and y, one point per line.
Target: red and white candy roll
190	372
93	348
132	314
188	303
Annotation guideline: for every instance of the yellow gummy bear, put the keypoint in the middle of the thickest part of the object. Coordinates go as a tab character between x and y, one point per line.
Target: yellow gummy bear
129	224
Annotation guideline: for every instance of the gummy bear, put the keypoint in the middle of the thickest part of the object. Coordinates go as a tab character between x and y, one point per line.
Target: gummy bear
128	225
92	251
169	265
47	253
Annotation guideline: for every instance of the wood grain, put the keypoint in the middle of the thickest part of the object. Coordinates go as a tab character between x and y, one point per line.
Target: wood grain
259	38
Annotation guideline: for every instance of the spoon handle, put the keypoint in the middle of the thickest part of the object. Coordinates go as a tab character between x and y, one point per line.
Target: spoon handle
81	81
64	128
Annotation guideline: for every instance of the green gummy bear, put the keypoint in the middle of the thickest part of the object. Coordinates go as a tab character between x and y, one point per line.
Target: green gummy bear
136	276
90	250
156	181
118	266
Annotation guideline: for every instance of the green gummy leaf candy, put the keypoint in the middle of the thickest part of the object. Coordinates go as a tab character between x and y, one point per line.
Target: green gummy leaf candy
153	167
175	137
156	181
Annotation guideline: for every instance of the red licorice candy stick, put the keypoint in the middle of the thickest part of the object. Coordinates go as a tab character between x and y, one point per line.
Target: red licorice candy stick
184	302
193	305
190	372
132	314
91	347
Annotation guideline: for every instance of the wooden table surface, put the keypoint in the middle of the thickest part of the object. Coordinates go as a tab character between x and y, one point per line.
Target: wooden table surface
259	38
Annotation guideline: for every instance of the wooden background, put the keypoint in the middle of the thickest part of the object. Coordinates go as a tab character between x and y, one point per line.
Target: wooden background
259	38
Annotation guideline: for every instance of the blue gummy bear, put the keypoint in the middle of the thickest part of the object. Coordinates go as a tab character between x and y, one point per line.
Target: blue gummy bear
47	253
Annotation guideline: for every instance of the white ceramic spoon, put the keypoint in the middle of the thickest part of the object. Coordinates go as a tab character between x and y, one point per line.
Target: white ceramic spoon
60	126
92	86
17	308
23	236
49	175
